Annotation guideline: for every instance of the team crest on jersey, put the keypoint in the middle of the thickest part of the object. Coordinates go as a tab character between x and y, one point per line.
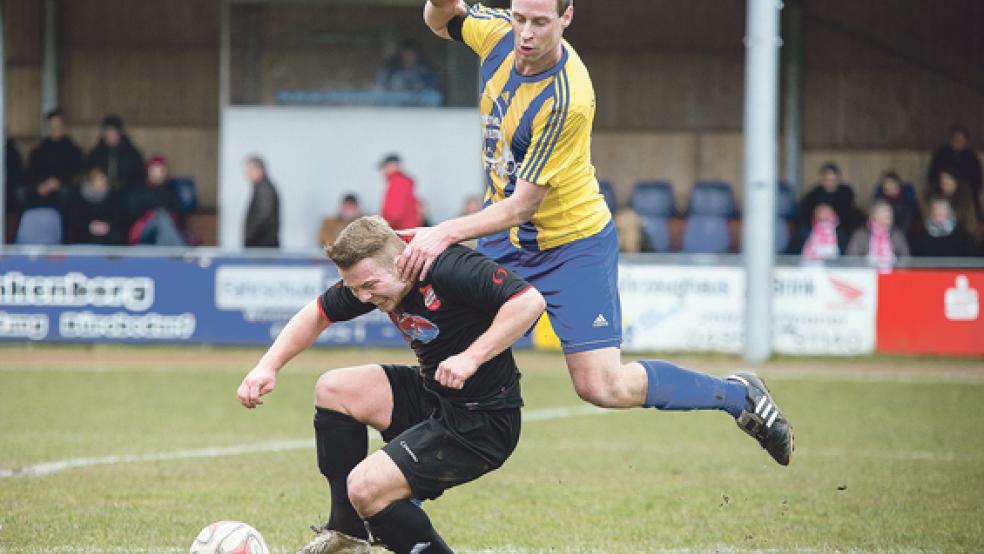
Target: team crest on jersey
415	327
431	300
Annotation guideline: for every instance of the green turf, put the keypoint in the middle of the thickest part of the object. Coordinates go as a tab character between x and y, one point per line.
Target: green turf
880	466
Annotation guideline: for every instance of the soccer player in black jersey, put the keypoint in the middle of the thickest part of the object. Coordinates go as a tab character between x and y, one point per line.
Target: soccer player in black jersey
447	421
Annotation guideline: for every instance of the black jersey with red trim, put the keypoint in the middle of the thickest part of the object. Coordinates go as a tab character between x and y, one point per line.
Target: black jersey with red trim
443	315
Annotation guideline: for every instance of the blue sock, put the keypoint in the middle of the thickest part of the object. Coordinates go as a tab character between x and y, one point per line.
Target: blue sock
672	387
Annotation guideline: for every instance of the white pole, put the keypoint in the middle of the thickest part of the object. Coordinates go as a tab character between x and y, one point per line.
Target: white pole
760	156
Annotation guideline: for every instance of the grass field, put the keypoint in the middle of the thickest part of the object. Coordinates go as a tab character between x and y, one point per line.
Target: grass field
890	457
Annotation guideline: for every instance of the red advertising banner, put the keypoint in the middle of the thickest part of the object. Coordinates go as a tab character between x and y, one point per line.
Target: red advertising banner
931	312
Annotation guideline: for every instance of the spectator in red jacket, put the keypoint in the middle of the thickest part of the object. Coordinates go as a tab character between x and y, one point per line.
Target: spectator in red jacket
401	208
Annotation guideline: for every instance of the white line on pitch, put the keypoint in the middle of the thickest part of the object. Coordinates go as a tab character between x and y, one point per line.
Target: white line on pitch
48	468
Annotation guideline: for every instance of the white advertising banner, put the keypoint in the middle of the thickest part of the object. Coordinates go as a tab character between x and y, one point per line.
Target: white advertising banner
682	308
815	311
824	312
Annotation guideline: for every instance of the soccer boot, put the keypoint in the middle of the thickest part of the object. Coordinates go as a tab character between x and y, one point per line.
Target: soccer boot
763	420
329	541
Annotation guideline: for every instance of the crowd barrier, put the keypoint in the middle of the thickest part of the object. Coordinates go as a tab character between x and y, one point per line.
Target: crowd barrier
669	303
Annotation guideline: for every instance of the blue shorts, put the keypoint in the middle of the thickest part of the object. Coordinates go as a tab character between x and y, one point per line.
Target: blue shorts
579	281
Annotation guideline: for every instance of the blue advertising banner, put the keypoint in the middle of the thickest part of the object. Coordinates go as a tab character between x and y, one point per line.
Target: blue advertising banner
211	300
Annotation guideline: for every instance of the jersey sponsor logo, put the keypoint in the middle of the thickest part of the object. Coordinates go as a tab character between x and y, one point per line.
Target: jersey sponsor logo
431	300
415	327
499	276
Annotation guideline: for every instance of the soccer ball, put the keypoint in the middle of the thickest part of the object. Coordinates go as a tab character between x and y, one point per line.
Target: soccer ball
229	537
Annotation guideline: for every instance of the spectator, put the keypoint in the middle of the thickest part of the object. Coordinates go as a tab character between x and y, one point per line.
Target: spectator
942	236
348	211
960	158
401	208
96	215
117	156
262	227
407	72
901	198
57	160
153	208
879	240
831	190
13	176
472	205
824	238
950	186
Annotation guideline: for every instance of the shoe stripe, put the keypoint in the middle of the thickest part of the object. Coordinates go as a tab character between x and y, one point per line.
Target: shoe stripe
762	401
740	379
768	409
768	424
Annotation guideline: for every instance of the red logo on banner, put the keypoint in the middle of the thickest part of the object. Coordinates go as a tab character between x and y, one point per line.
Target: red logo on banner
931	312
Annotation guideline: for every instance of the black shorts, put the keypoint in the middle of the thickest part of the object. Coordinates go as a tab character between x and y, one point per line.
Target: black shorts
438	445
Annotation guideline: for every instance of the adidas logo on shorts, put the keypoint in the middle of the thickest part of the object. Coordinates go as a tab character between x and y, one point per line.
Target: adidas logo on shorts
600	321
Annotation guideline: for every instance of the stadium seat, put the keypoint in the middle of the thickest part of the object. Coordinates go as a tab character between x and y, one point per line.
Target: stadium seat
785	212
39	226
187	193
711	205
653	201
608	191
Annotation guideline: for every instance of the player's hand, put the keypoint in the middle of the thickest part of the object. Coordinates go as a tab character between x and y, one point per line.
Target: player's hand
425	245
258	382
454	371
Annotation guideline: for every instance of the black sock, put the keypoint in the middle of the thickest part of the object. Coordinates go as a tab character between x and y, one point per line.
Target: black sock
406	529
342	443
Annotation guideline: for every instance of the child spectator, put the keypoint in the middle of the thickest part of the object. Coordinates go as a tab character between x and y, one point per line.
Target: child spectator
942	236
825	238
879	240
153	208
954	189
95	216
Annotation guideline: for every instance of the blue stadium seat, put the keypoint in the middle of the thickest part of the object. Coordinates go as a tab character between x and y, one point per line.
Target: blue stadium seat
187	193
785	212
608	191
653	201
711	205
41	225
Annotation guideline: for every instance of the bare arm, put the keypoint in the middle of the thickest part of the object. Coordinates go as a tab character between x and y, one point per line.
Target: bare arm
514	318
428	243
298	335
437	13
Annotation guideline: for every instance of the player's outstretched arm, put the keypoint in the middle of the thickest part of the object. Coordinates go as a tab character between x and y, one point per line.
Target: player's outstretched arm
298	335
437	13
428	242
514	318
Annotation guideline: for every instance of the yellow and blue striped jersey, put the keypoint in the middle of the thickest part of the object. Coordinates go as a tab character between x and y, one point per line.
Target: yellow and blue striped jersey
536	128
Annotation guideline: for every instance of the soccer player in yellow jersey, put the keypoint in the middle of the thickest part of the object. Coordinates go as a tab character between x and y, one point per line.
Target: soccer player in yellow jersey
544	218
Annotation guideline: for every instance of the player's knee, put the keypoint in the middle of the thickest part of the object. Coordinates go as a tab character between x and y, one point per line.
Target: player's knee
361	491
598	390
328	391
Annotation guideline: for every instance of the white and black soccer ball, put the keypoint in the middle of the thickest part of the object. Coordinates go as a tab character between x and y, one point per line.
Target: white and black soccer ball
229	537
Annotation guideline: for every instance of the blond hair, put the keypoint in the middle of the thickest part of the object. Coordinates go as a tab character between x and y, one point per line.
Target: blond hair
366	237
